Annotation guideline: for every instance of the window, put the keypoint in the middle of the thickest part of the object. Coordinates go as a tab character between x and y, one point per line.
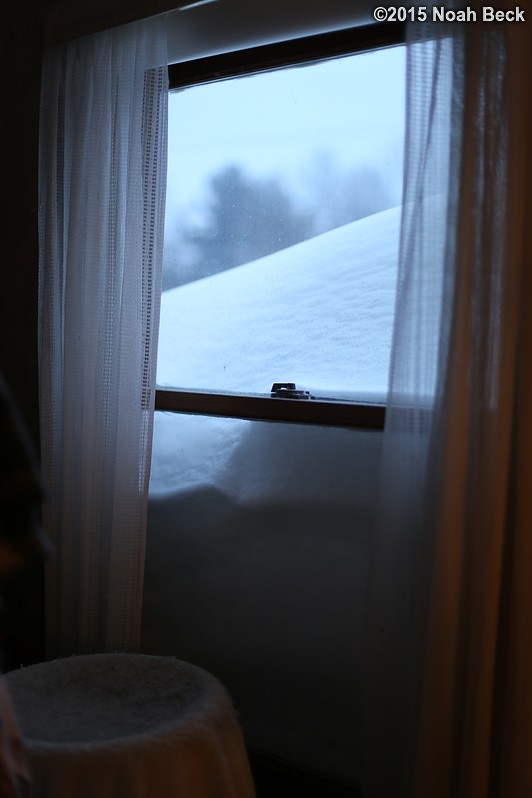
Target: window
285	167
257	548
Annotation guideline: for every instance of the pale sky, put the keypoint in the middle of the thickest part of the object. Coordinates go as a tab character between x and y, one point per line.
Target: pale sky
278	123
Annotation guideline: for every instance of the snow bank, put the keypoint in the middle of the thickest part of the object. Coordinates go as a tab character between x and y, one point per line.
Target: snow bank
257	547
318	313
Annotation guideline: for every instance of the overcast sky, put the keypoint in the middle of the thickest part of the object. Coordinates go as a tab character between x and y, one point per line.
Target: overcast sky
278	123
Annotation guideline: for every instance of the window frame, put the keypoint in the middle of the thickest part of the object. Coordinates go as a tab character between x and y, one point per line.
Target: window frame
305	50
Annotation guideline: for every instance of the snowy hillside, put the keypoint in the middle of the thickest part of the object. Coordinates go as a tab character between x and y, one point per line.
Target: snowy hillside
257	547
318	313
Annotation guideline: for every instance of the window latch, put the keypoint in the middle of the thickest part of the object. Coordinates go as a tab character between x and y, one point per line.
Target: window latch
288	390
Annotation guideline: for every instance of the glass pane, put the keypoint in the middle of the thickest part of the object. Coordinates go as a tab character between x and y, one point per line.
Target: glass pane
257	551
261	463
282	228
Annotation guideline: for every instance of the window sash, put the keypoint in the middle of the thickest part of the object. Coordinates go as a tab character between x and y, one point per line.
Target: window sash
307	49
257	407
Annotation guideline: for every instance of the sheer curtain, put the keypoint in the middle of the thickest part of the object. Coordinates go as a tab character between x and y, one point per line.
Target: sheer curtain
447	706
102	191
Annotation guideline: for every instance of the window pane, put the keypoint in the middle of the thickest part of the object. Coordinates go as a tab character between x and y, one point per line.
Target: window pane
261	463
256	560
282	228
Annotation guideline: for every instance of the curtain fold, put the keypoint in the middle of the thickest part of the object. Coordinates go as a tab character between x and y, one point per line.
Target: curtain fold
448	599
102	184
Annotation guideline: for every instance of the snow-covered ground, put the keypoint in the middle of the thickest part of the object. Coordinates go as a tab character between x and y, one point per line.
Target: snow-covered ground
318	314
257	532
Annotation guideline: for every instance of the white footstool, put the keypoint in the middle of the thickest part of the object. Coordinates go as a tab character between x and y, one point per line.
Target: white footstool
129	726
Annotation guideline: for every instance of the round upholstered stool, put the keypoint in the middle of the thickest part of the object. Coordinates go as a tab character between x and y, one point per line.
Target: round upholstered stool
129	726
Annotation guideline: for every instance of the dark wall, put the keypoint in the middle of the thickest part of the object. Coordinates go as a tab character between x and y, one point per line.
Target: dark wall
20	45
21	51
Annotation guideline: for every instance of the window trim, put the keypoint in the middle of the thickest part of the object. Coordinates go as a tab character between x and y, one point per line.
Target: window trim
249	61
295	52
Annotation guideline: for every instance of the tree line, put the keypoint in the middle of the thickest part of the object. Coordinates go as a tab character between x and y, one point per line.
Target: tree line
247	218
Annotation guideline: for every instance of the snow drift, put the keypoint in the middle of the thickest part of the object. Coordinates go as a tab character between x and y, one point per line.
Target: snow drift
318	313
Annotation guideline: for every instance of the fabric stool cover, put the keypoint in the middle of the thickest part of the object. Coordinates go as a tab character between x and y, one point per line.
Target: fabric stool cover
129	726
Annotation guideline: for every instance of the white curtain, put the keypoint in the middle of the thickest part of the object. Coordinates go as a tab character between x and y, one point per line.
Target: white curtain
447	702
102	184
